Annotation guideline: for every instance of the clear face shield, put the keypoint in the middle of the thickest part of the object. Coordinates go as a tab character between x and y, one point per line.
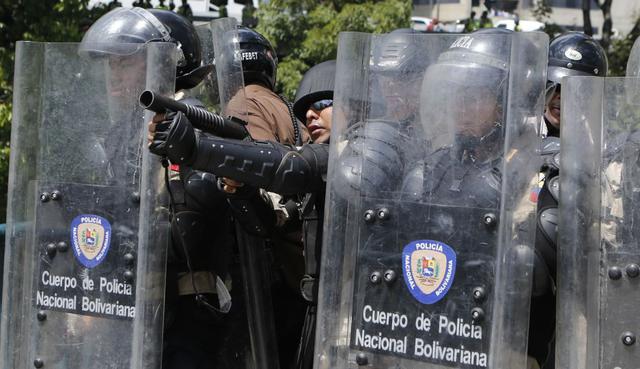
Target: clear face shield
462	106
124	77
400	94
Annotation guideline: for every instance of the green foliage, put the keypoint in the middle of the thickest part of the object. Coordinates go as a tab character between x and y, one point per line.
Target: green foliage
542	10
618	55
33	20
619	51
305	32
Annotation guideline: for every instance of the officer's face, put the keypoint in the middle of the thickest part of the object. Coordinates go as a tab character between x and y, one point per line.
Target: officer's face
125	74
400	95
318	121
477	111
552	110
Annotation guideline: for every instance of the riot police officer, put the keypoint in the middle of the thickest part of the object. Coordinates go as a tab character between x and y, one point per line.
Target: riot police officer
197	302
269	115
263	213
570	54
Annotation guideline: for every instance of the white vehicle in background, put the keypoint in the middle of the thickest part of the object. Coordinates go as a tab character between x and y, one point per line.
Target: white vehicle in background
525	25
203	10
420	24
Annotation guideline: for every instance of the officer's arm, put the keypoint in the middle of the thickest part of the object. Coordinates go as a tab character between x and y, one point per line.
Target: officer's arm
269	165
264	164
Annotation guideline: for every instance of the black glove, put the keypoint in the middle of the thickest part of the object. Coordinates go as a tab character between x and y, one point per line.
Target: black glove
175	138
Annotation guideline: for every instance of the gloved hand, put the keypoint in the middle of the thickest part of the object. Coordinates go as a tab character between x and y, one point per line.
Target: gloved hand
235	189
174	137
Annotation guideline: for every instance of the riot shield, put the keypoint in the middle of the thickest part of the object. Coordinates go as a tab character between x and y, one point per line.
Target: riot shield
429	228
207	91
598	253
253	261
633	63
87	227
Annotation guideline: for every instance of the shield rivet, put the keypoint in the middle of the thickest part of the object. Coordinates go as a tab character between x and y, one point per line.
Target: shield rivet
62	246
128	258
42	316
38	363
44	197
633	270
369	216
51	249
628	338
56	195
361	359
375	277
389	276
615	273
477	314
383	214
490	219
479	294
135	197
128	276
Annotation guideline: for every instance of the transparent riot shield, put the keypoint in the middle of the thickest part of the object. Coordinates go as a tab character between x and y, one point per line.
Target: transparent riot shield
598	253
228	60
633	63
429	228
253	260
207	91
87	228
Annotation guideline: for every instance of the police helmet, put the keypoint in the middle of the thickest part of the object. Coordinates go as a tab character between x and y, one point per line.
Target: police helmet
317	84
399	53
481	57
259	59
120	32
469	75
575	54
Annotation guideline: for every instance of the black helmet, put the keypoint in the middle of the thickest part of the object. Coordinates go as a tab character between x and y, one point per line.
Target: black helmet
399	53
117	32
473	68
317	84
479	58
259	59
575	54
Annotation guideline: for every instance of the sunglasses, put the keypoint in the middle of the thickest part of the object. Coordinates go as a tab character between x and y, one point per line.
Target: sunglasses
322	104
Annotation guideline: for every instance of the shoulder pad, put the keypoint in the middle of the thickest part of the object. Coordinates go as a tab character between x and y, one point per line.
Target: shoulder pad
550	151
548	222
554	187
549	146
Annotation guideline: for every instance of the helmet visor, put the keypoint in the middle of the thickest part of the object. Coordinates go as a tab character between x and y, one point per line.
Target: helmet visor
461	100
122	31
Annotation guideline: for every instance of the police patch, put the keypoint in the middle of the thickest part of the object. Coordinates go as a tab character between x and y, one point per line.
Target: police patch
91	237
428	268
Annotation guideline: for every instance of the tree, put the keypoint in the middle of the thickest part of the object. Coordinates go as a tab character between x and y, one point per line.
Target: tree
620	50
33	20
607	25
586	17
305	32
541	12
